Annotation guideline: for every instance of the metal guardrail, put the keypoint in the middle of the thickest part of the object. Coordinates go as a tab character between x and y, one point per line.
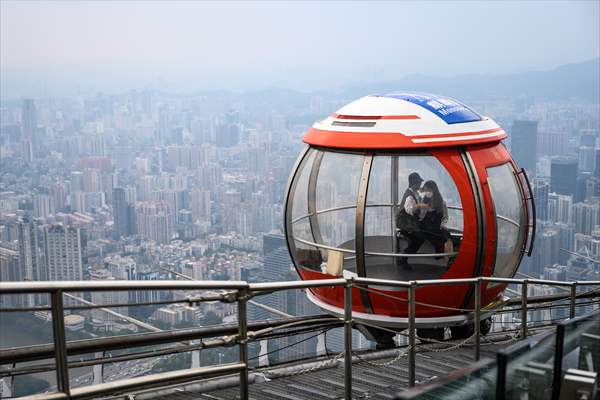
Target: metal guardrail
242	293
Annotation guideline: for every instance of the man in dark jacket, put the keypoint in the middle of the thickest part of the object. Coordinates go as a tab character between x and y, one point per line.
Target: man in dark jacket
408	217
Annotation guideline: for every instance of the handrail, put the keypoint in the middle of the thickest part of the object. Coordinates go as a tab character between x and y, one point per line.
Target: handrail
123	285
509	220
88	346
373	253
242	292
339	208
115	285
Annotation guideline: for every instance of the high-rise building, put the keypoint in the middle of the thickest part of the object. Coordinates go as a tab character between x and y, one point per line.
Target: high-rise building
563	175
9	263
78	202
523	145
154	221
10	271
597	164
566	240
228	135
278	267
91	180
201	130
123	214
30	257
29	118
28	129
58	191
587	158
43	205
64	252
586	216
560	208
588	138
77	181
546	251
26	149
173	198
200	207
183	156
541	191
552	143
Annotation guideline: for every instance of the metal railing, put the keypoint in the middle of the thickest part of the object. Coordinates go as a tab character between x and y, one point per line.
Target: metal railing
241	292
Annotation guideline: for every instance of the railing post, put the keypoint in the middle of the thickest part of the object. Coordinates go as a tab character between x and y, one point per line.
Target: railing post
573	299
524	309
411	333
60	342
242	300
348	341
477	320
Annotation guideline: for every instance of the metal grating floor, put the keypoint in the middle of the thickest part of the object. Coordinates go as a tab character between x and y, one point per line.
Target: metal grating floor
370	381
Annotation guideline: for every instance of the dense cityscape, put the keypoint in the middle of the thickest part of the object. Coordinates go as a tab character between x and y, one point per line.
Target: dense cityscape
156	185
150	185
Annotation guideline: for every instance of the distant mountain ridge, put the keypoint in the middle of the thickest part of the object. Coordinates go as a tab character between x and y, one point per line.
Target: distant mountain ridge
578	81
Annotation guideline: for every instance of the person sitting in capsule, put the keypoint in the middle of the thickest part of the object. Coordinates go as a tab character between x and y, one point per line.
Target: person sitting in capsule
434	219
422	217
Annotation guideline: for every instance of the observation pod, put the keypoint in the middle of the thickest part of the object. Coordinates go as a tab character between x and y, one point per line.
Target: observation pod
361	202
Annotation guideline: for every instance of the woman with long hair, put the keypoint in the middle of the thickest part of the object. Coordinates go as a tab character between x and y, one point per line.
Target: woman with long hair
433	223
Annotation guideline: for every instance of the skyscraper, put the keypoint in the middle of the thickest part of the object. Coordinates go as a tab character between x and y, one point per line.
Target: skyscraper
200	199
587	155
43	205
28	128
560	208
563	175
228	135
523	144
30	259
123	214
29	118
586	217
154	221
64	253
546	251
58	191
10	271
541	198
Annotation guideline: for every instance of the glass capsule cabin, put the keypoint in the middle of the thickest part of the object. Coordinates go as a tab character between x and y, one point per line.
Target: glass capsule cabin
346	210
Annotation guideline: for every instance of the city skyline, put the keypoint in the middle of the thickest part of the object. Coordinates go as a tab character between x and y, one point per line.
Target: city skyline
241	143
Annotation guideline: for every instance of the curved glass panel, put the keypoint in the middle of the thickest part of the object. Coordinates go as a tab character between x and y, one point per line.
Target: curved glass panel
321	216
298	223
411	239
510	219
323	211
336	197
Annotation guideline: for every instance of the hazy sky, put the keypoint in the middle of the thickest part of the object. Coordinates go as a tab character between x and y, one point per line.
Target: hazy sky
301	45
